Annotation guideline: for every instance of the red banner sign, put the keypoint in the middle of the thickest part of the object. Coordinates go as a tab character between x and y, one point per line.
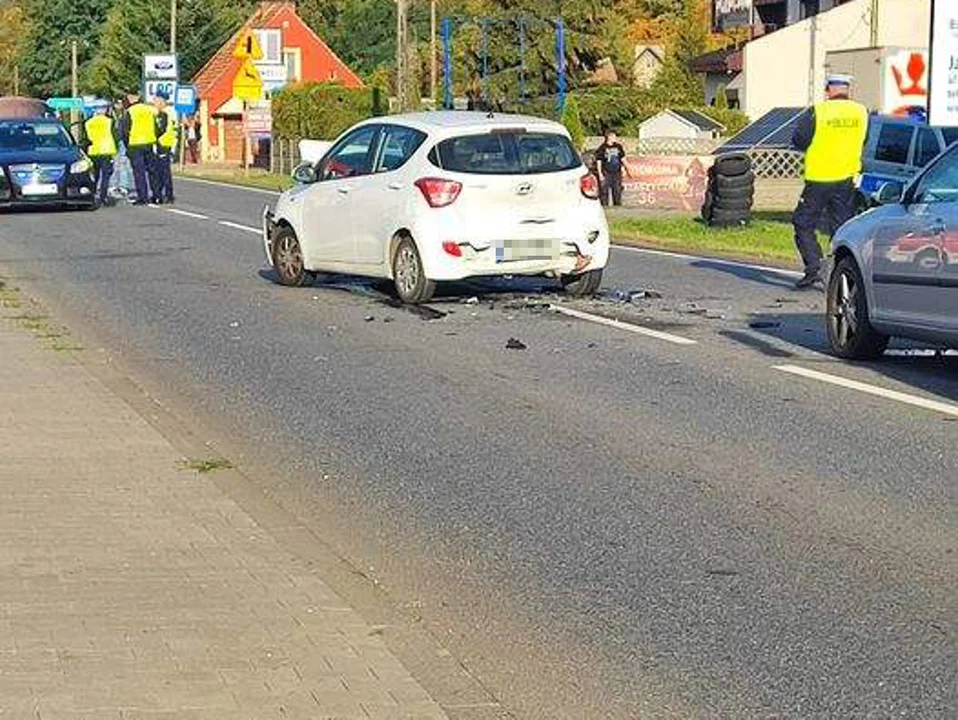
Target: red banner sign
669	182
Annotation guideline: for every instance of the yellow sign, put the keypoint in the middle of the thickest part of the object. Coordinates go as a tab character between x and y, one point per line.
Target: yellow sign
248	85
248	47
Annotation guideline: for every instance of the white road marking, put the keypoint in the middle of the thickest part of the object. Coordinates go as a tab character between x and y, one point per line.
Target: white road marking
916	401
230	186
729	263
237	226
187	213
619	325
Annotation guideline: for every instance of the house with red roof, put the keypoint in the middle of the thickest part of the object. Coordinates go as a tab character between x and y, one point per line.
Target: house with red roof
291	53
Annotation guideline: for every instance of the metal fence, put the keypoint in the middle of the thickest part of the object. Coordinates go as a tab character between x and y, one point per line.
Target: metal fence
284	156
777	164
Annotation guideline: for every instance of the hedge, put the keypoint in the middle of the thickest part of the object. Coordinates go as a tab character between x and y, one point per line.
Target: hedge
321	111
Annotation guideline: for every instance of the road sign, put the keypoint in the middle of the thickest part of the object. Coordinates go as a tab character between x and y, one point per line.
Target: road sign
65	103
152	87
258	120
274	77
185	100
161	67
248	47
248	85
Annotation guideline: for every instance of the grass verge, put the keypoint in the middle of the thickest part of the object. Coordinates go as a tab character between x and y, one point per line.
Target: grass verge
768	238
235	176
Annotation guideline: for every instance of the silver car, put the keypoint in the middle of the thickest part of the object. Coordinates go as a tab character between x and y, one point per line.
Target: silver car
894	269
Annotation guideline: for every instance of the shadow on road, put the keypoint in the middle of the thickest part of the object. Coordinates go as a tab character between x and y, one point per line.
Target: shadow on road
918	365
750	274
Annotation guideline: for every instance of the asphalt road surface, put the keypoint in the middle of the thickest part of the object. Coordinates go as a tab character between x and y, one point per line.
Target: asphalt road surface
692	511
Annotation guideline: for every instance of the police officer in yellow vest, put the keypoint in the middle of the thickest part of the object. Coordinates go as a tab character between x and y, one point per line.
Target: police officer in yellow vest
166	134
833	135
102	138
139	135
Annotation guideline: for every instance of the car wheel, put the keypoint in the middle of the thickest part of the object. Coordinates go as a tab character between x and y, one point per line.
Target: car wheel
850	331
288	259
409	275
582	285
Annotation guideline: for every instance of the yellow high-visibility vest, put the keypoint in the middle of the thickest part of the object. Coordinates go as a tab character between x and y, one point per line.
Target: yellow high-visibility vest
142	125
168	138
835	154
99	131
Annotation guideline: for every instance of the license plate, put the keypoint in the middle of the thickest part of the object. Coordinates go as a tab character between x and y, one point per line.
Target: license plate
40	189
516	250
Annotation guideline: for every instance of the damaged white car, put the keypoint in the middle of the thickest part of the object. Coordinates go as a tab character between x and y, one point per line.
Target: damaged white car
425	198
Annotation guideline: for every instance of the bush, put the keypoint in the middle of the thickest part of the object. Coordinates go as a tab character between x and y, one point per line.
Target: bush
733	120
320	111
573	122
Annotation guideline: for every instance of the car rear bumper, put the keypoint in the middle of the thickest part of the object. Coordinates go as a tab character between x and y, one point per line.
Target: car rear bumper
268	226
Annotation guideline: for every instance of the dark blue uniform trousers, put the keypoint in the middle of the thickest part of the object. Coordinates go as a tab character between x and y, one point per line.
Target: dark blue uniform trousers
822	205
164	175
102	172
143	160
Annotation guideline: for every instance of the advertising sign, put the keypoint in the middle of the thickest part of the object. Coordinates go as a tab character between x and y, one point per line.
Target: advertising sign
905	84
673	182
943	83
732	13
160	67
258	120
152	87
274	77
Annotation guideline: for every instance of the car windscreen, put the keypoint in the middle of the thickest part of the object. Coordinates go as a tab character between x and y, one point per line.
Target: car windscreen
506	153
24	135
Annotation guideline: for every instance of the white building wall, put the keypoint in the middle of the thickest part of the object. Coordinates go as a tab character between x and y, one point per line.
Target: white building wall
665	125
783	69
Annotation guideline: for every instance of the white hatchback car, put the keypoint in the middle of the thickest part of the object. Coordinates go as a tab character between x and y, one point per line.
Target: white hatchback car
443	196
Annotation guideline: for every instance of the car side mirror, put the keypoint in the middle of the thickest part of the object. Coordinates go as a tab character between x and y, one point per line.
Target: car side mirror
305	174
889	194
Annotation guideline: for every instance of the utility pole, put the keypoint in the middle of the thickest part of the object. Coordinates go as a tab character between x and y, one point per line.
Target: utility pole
874	23
813	60
402	55
434	64
16	79
172	26
74	82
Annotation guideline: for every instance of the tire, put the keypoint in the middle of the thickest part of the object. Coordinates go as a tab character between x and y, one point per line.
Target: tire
724	184
707	205
732	165
850	332
735	194
727	218
288	258
741	205
582	285
409	275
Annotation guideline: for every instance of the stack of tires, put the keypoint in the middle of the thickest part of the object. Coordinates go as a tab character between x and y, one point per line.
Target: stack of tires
731	190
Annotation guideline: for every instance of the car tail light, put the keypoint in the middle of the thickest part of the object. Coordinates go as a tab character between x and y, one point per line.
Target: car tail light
439	193
452	248
589	184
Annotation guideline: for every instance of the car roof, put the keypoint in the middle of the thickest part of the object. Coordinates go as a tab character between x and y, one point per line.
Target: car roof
455	122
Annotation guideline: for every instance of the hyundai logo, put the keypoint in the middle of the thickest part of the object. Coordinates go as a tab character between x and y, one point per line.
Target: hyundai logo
524	189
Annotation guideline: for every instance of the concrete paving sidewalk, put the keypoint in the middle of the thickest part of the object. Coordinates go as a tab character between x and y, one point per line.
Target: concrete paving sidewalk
132	588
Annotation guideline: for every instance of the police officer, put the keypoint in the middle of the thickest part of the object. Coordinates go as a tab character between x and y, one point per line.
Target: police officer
139	135
165	147
101	135
833	135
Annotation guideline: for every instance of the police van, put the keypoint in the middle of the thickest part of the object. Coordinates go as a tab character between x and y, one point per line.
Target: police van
896	149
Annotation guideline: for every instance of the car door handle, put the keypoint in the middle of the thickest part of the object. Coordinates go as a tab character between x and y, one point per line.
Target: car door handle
394	186
344	190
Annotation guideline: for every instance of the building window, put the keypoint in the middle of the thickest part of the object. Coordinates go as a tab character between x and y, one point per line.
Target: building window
271	41
293	59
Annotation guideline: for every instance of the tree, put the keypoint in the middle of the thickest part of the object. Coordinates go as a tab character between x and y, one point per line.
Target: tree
135	27
53	24
721	98
12	30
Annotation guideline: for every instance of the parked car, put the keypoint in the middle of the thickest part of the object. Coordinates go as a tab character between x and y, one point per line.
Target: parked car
42	165
894	269
896	150
432	197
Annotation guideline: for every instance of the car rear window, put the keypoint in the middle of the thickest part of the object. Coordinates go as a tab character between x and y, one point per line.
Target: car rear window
894	142
506	153
950	135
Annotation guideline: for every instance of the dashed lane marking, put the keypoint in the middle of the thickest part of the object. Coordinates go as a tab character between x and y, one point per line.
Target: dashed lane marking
244	228
187	213
906	398
619	325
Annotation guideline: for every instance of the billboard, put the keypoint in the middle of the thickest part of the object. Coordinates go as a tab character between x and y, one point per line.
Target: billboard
905	83
943	83
667	181
732	13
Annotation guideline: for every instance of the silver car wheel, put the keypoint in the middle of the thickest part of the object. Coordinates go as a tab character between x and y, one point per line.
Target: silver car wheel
407	271
845	317
289	257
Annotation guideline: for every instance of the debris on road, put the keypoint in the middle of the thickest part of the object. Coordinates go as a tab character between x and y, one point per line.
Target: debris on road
624	297
514	344
691	308
369	318
234	324
765	324
714	315
474	300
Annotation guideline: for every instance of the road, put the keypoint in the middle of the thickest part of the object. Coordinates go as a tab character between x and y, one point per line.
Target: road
709	520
